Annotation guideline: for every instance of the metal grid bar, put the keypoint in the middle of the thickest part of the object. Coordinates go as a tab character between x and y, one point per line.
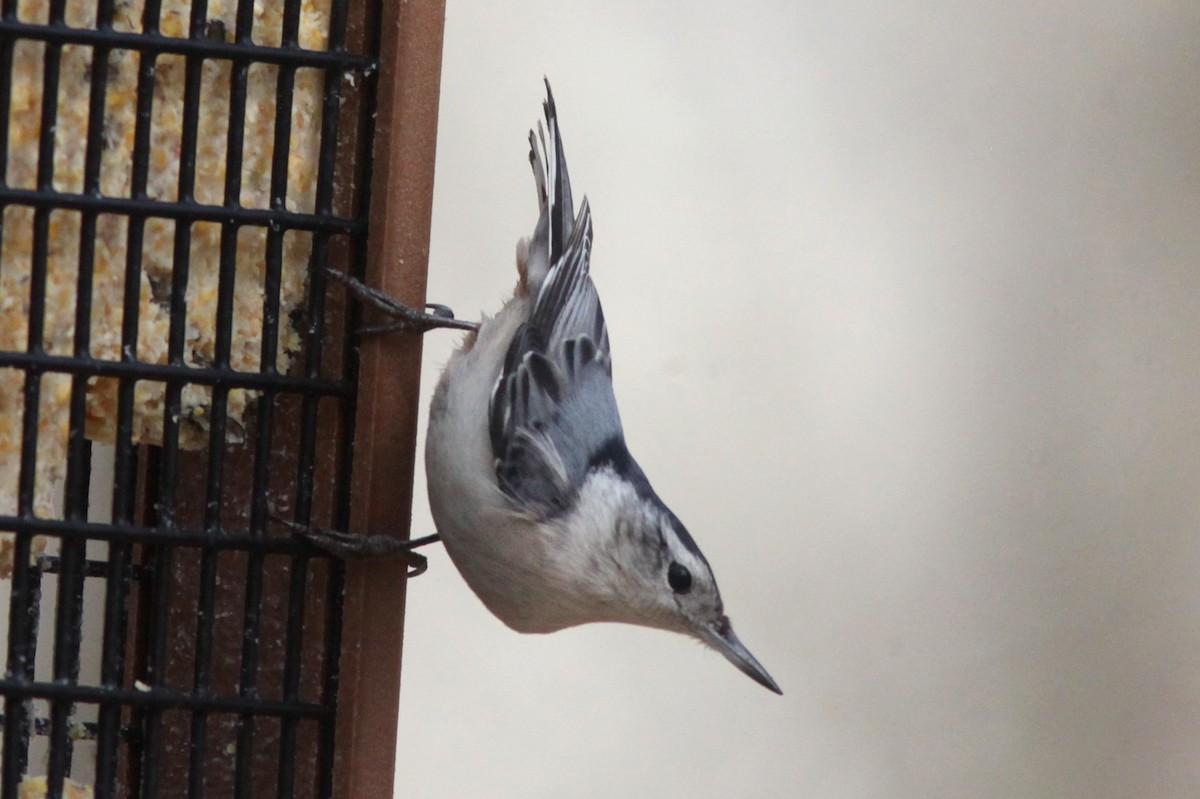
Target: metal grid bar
153	43
79	450
125	463
134	534
12	731
202	680
136	370
297	588
331	107
24	609
183	210
160	699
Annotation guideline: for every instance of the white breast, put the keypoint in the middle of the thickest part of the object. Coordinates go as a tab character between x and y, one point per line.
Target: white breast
498	549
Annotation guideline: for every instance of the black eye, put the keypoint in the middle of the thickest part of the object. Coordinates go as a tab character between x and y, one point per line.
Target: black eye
679	578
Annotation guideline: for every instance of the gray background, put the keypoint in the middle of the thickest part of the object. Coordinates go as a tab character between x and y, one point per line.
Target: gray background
904	302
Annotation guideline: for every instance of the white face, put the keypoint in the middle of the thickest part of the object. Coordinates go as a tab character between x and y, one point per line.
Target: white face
634	561
621	555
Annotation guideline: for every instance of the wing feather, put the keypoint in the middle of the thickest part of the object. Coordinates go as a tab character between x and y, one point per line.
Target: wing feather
553	407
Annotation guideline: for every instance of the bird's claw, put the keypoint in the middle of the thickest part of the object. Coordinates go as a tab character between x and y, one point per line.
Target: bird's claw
348	546
404	318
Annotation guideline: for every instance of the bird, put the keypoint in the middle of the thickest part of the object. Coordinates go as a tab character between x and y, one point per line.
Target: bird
532	487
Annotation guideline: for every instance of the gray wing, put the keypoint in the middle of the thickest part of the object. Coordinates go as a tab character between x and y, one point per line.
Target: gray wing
553	412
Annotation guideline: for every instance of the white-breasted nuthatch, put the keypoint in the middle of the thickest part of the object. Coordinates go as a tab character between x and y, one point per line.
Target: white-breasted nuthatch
541	506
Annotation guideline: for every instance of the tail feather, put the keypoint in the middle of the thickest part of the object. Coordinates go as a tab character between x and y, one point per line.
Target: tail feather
557	218
562	208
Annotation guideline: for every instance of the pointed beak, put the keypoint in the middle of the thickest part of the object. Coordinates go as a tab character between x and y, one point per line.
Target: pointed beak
719	635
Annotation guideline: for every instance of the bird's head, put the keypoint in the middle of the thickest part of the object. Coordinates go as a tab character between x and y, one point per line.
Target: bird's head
641	566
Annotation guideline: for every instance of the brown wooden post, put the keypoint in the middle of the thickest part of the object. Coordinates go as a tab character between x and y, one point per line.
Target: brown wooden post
385	439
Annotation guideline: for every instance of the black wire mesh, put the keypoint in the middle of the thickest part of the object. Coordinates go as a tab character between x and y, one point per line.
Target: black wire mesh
161	639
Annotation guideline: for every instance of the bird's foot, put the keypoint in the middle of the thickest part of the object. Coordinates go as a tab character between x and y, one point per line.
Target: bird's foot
404	318
348	546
